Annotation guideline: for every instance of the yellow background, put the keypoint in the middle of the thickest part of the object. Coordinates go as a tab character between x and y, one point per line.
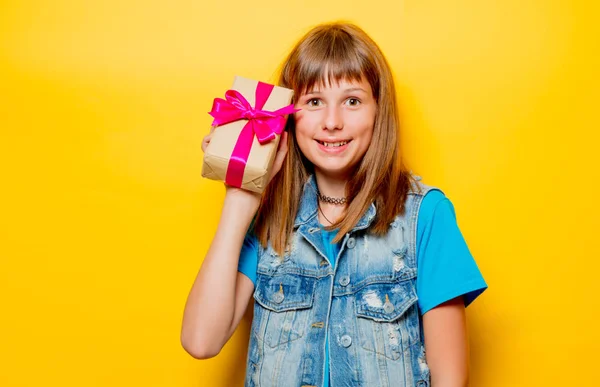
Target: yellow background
105	218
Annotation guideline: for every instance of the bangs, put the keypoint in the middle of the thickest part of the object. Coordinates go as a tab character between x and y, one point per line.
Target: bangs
330	58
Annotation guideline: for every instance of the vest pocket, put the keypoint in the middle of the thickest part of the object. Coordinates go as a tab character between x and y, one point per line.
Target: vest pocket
282	307
387	322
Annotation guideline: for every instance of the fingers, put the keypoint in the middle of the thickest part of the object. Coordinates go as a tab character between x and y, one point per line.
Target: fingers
281	153
283	143
205	142
206	139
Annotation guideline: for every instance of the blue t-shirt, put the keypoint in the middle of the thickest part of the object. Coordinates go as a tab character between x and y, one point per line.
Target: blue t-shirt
445	267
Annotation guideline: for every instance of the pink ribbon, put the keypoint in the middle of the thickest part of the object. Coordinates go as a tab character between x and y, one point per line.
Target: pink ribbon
264	124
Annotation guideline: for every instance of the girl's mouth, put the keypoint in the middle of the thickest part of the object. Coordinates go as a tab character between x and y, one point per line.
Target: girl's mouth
333	144
333	147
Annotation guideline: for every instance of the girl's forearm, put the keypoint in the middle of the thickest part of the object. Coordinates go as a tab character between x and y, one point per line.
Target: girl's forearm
446	344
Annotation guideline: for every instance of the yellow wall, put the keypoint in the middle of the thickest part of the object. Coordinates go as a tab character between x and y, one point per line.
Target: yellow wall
105	218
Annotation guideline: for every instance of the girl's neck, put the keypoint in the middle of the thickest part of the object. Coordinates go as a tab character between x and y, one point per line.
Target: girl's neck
334	187
331	186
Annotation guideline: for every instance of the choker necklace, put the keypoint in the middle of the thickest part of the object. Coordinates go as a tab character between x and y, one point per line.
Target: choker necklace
329	199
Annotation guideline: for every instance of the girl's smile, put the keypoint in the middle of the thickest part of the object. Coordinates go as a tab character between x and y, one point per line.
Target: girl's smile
333	146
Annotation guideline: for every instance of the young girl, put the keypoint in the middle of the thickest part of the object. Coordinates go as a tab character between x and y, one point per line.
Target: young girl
355	267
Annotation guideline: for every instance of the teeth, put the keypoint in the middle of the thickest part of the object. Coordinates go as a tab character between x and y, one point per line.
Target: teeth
334	144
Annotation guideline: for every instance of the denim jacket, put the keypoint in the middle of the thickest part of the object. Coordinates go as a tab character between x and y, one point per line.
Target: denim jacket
367	304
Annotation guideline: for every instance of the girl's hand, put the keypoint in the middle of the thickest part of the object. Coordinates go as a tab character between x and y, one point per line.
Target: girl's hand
282	150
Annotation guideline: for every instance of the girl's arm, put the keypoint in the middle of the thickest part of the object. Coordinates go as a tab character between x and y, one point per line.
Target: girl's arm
446	344
220	295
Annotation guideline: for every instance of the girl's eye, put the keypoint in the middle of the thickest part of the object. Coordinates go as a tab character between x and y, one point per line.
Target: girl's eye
313	102
353	101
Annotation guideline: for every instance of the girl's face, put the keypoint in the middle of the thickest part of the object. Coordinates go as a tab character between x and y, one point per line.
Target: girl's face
335	126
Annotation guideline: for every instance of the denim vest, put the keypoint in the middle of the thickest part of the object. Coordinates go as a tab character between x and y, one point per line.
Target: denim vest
367	305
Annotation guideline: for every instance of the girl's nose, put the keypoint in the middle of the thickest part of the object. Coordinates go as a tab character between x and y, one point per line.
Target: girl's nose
333	118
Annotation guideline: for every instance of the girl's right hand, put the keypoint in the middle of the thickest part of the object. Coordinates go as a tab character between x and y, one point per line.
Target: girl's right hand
282	150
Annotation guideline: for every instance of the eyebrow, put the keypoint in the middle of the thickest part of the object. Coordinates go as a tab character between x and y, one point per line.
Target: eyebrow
349	90
354	89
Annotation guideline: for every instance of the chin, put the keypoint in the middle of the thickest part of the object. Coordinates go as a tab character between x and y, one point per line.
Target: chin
332	169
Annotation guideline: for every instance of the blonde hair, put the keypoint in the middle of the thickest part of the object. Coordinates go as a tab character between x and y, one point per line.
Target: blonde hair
334	52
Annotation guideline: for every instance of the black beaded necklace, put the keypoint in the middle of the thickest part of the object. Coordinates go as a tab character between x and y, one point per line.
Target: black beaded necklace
329	199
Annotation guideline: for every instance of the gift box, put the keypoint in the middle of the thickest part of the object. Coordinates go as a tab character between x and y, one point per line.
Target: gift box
249	122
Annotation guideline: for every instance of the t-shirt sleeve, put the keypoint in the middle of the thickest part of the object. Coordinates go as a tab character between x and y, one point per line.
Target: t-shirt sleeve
445	267
248	262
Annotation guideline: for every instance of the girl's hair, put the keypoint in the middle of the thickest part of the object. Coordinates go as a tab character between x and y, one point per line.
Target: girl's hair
330	53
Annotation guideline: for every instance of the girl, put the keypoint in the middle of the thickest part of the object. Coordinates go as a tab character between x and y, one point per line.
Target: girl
355	267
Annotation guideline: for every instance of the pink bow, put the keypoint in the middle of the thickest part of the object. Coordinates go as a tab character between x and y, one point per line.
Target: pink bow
264	124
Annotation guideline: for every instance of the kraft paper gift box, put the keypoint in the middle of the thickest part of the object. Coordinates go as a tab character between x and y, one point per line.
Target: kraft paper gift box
248	123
